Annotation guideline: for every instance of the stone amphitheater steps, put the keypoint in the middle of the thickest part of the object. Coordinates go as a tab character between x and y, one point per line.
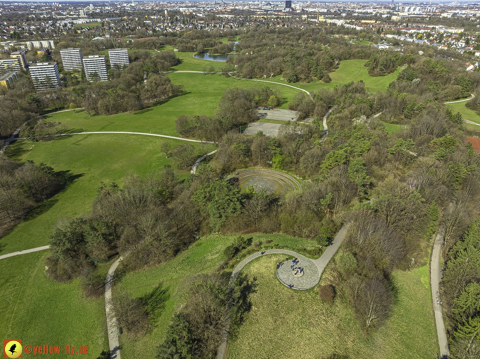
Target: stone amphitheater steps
285	179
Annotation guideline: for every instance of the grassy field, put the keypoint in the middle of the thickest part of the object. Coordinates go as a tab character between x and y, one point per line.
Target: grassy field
348	71
190	63
92	159
203	257
466	113
90	24
203	93
40	311
392	128
286	323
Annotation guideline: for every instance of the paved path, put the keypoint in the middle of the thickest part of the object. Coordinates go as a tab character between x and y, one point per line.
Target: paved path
325	127
17	131
471	123
133	133
112	325
435	277
320	263
275	83
195	165
24	251
464	100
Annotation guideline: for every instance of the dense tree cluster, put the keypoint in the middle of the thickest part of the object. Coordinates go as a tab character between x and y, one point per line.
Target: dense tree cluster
153	214
461	290
297	54
237	107
22	187
140	85
212	306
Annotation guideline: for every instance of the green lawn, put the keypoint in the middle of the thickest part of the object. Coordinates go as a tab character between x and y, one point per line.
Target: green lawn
466	113
93	158
40	311
190	63
203	93
285	323
90	24
348	71
202	257
392	128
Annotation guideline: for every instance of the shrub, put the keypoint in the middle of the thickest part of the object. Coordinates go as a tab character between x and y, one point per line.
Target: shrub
327	293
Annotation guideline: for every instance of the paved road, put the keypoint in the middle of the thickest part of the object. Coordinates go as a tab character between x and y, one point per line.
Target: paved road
25	251
435	277
112	325
321	263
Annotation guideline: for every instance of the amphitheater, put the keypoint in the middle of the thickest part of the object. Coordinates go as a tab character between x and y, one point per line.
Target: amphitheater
268	180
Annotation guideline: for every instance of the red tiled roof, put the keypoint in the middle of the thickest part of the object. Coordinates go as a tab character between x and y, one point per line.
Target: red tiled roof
475	142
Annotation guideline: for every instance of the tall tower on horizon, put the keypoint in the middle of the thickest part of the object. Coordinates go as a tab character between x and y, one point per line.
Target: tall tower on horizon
288	4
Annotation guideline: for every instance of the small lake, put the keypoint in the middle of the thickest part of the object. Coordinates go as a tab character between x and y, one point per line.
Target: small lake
219	58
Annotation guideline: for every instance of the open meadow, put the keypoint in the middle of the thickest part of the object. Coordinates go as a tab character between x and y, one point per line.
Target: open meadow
40	311
202	257
289	323
89	160
202	96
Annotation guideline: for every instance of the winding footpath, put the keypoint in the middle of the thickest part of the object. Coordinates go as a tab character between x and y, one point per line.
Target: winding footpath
435	278
321	263
275	83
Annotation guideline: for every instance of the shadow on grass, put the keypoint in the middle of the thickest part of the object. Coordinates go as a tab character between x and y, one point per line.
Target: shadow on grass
66	178
15	150
154	302
145	110
41	209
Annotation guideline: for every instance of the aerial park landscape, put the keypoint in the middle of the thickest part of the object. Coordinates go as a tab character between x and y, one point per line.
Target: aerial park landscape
304	189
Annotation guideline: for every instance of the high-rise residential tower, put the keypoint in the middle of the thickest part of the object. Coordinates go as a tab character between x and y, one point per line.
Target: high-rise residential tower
95	68
44	75
118	58
72	59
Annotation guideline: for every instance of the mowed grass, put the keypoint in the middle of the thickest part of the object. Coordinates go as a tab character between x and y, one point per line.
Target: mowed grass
466	113
392	128
93	159
286	323
202	257
203	94
40	311
348	71
90	24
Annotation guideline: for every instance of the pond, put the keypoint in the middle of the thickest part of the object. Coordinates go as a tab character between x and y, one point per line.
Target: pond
219	58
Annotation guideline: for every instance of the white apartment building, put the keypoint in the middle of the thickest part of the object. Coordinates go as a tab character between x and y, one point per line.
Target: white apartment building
9	65
118	58
44	75
72	59
95	65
